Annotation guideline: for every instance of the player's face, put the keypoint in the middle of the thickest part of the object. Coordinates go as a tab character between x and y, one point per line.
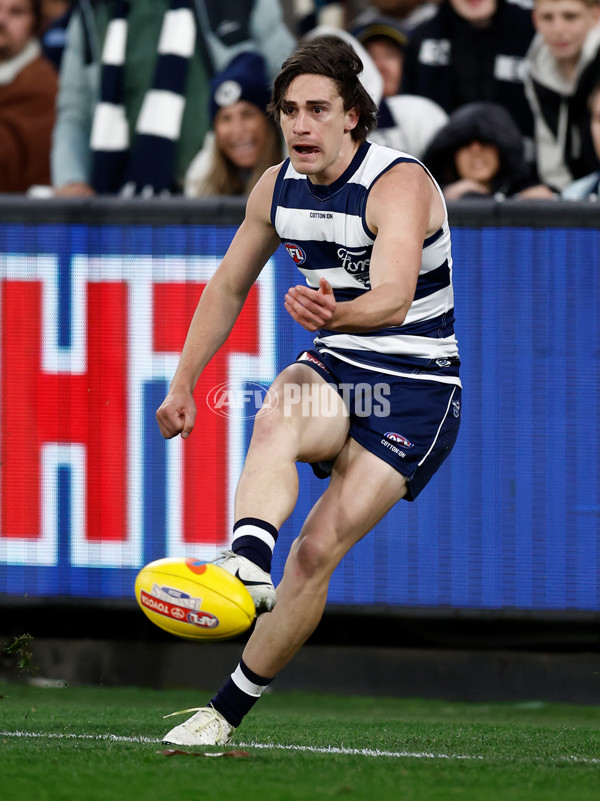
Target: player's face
317	129
241	133
389	60
477	161
16	27
595	126
477	12
564	25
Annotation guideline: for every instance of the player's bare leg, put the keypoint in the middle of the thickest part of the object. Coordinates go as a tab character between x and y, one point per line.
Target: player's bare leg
268	488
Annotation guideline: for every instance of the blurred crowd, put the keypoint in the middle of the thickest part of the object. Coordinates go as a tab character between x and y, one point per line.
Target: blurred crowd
498	98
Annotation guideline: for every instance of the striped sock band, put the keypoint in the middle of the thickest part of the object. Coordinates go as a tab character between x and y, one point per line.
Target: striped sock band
255	539
239	694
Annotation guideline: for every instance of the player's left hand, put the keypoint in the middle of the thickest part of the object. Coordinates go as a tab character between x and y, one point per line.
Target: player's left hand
312	308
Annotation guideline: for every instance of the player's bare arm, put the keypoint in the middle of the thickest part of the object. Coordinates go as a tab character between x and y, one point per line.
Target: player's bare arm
404	208
219	307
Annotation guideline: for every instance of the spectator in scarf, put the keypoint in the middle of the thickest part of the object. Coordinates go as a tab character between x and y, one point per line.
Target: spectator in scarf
134	87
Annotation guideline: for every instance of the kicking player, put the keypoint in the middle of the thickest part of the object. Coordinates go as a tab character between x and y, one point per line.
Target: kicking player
368	229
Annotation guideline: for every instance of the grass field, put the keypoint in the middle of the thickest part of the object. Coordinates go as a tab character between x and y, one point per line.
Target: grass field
103	744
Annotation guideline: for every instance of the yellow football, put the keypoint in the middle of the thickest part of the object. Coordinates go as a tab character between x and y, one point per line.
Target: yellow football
193	599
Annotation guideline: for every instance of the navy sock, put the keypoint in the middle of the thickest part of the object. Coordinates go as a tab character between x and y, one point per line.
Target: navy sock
255	539
239	694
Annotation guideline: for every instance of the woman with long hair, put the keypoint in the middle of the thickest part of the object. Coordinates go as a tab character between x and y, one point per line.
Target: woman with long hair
244	140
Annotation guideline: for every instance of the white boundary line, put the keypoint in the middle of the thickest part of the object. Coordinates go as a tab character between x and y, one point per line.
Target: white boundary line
305	748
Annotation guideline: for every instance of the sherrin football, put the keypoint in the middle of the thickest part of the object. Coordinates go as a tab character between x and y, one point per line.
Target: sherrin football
193	599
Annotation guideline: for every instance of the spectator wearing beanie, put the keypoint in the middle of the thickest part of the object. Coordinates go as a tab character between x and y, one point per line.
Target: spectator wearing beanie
244	141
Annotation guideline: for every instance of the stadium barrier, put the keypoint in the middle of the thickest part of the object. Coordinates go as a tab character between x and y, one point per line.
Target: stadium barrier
96	298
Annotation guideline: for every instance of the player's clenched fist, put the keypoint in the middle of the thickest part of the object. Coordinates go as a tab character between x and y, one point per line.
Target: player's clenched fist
176	415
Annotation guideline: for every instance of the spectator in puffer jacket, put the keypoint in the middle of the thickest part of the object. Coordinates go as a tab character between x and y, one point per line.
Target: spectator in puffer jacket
479	153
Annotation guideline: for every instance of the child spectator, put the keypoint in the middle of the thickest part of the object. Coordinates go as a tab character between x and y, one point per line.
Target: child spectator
563	65
589	186
244	141
479	153
28	87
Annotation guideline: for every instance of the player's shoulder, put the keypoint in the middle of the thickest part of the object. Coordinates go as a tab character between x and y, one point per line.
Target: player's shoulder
261	196
408	186
378	161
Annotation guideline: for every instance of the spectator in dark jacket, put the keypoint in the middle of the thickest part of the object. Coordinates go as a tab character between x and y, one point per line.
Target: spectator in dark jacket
472	52
479	153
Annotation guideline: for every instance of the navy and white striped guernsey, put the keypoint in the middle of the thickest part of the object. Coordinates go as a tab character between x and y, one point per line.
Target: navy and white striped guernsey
324	230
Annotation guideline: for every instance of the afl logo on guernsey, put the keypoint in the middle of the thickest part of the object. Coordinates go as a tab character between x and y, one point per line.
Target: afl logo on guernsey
296	252
399	439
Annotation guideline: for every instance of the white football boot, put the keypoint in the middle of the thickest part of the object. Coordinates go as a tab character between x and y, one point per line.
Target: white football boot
257	581
206	727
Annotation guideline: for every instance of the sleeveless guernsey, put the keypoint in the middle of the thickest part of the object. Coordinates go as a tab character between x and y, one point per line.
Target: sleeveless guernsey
324	230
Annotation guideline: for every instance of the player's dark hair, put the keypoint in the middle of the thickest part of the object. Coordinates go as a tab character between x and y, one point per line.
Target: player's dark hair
333	58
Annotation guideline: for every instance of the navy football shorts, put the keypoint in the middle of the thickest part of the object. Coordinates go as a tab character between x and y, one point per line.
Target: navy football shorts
410	423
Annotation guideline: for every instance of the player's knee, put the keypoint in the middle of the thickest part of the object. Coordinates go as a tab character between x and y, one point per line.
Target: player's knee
313	556
272	427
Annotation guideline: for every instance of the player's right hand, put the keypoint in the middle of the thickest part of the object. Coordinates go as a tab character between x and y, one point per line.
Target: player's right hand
176	415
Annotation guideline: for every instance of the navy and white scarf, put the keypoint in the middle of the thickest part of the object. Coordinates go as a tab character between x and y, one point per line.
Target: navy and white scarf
146	165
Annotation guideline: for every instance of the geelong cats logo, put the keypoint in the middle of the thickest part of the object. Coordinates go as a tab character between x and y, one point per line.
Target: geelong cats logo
355	263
